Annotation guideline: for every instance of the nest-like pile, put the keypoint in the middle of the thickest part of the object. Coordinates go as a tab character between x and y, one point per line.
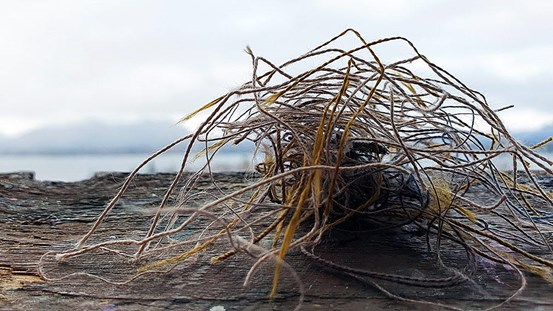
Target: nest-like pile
345	135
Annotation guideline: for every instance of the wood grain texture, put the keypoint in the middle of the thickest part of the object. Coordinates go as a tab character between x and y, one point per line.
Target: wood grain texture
37	217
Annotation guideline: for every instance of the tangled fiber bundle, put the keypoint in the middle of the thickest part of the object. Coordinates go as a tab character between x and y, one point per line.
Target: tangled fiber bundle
345	135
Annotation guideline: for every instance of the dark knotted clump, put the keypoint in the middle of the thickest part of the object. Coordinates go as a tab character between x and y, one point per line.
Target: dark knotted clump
380	193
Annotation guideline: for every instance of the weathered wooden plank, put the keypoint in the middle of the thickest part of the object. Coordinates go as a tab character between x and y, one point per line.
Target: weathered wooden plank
37	217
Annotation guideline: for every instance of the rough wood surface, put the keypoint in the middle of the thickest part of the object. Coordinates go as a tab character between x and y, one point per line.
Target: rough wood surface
38	216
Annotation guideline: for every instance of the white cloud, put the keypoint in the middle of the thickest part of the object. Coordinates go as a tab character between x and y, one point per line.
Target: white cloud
520	65
523	119
70	60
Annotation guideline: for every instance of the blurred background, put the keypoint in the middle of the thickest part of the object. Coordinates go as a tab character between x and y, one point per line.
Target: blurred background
88	86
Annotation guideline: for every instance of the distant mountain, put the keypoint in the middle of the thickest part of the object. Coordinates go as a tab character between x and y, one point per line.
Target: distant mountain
93	137
531	138
96	137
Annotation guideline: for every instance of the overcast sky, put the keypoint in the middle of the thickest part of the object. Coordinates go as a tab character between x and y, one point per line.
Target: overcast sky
69	61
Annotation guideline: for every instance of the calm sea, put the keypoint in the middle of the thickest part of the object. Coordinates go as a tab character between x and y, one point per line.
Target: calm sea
79	167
